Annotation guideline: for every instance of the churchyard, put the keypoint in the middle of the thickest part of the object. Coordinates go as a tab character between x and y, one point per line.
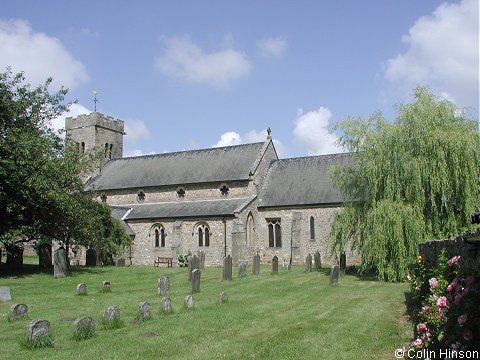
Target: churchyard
288	315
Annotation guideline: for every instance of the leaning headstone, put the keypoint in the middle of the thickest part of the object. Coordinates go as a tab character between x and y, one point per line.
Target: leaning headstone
120	262
334	274
144	310
163	285
188	302
193	264
318	261
201	259
227	268
37	328
308	263
196	280
83	327
242	268
81	289
256	264
343	262
60	263
166	305
223	297
18	311
106	286
5	293
111	315
45	256
91	257
275	265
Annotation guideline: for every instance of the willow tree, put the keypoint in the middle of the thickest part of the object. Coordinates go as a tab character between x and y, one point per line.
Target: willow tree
414	179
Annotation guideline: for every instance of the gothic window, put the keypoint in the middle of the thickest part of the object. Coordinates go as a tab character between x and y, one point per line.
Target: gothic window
312	228
103	198
106	150
181	192
110	151
140	196
274	233
224	190
203	234
250	230
160	235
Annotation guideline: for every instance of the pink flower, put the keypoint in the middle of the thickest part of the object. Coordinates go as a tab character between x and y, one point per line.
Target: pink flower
453	260
452	285
422	327
418	343
467	334
462	319
433	283
442	302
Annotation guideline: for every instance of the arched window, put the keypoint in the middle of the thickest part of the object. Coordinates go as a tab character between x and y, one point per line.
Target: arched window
203	234
110	151
312	228
274	233
106	150
159	236
250	230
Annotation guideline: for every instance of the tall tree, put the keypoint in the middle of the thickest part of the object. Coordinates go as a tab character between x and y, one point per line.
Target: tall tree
41	193
413	180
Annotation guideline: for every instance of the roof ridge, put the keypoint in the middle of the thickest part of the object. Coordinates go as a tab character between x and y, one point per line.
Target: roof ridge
185	201
313	157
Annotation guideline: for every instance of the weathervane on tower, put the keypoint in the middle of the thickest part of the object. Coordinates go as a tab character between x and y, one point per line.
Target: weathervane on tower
95	99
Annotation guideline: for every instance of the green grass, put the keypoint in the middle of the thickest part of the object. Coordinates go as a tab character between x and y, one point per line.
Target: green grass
286	316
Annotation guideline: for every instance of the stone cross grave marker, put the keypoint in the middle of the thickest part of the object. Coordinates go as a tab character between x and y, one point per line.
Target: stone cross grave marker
227	268
196	280
334	274
188	302
60	263
5	293
308	263
318	261
275	265
81	289
18	311
242	268
144	310
163	285
166	304
256	264
37	328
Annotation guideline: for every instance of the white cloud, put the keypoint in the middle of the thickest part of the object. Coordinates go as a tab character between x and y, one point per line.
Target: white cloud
58	123
228	139
184	60
311	132
136	130
39	56
443	53
136	152
272	46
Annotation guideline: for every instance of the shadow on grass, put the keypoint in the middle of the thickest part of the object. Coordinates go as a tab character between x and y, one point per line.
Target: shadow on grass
412	308
31	269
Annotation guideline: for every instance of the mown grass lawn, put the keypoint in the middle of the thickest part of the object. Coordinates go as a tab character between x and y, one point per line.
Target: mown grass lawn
292	315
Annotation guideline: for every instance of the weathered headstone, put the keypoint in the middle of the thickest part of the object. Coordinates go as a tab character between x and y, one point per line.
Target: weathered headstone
81	289
144	310
120	262
256	264
5	293
227	268
242	268
223	297
318	261
193	264
163	285
334	274
112	314
106	286
343	262
45	256
37	328
18	311
166	304
84	327
308	263
91	257
201	259
60	263
188	302
196	280
275	265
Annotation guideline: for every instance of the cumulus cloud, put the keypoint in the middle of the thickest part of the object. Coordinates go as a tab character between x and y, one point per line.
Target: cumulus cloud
182	59
443	53
311	132
58	123
39	56
272	46
136	130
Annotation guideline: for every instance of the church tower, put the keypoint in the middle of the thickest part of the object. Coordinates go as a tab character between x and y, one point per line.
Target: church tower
97	131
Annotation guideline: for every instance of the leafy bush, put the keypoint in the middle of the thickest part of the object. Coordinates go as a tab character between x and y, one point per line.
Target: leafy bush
183	259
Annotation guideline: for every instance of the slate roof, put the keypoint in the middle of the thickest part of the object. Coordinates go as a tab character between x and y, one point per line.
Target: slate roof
186	209
302	181
119	212
222	164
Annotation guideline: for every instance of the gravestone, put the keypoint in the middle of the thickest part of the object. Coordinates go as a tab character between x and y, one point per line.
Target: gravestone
111	314
5	293
201	259
334	274
45	256
196	280
81	289
166	305
163	285
144	310
193	264
308	263
343	262
242	268
223	297
106	286
256	264
84	325
18	311
318	261
60	263
91	257
188	302
37	328
227	268
275	265
120	262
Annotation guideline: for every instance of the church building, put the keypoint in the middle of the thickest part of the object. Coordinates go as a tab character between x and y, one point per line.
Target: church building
235	200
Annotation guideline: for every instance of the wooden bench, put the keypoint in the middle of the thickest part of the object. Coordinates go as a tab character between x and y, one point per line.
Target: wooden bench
163	260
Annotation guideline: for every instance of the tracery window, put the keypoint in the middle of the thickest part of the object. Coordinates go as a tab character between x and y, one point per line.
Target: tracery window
203	234
274	233
159	239
312	228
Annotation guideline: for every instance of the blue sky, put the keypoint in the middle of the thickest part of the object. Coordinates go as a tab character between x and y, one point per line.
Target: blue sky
195	74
